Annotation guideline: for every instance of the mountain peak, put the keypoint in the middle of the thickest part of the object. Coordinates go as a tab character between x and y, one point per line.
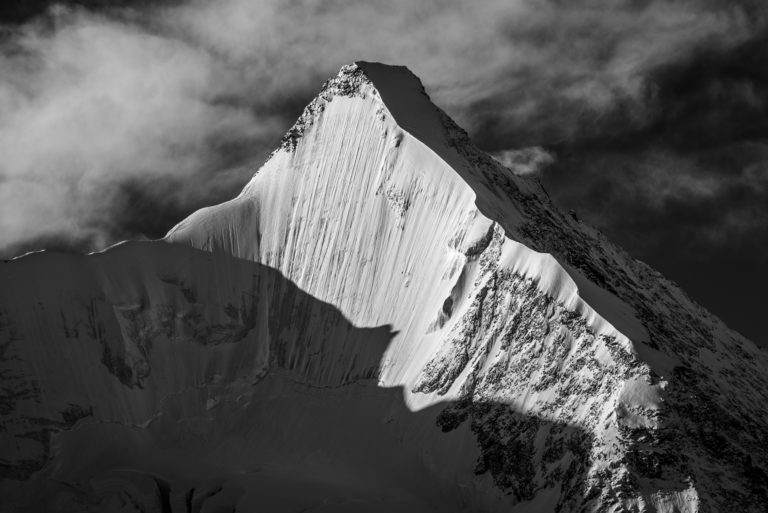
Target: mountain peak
408	102
379	204
550	370
349	82
403	95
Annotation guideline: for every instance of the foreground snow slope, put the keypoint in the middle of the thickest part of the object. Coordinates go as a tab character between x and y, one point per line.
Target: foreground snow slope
384	319
377	203
157	377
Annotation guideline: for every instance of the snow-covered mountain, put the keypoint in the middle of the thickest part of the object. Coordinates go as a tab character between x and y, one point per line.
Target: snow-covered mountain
385	318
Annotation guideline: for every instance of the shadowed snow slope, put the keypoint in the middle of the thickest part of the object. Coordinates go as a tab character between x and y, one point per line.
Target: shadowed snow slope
522	362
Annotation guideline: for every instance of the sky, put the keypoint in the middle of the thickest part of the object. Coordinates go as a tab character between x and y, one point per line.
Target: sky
648	118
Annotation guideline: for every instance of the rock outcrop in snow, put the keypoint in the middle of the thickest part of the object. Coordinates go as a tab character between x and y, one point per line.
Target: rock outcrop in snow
501	353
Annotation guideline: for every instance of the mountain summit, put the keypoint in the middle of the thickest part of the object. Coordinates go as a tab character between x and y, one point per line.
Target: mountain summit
385	318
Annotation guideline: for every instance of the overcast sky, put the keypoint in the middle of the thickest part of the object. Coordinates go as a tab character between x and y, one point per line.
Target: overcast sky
119	118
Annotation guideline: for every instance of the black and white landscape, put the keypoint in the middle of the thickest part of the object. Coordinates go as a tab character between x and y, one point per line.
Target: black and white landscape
386	318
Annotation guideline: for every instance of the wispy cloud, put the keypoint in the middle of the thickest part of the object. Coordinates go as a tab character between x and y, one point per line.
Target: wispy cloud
88	104
529	161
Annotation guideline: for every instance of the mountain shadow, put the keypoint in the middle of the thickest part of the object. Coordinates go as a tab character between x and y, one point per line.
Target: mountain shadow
157	377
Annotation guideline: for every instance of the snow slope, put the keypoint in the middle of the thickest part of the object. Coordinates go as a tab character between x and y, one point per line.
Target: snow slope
368	217
448	341
156	377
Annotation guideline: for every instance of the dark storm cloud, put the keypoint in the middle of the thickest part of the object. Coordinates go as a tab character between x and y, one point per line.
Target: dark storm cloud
21	11
599	74
700	220
684	185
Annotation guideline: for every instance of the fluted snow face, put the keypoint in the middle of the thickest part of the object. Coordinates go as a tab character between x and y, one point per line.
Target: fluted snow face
360	213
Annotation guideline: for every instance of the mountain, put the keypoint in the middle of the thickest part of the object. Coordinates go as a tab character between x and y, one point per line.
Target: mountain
385	318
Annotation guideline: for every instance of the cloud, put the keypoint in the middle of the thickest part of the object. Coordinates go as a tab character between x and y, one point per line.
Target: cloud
527	161
111	116
89	104
654	199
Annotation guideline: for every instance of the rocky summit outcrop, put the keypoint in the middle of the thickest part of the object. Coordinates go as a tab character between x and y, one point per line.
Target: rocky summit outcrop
385	317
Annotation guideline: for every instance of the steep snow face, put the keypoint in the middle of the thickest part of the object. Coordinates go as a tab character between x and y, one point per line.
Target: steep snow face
364	215
377	203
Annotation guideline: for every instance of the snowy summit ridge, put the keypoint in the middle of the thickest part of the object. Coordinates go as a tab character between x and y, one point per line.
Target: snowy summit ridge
384	316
